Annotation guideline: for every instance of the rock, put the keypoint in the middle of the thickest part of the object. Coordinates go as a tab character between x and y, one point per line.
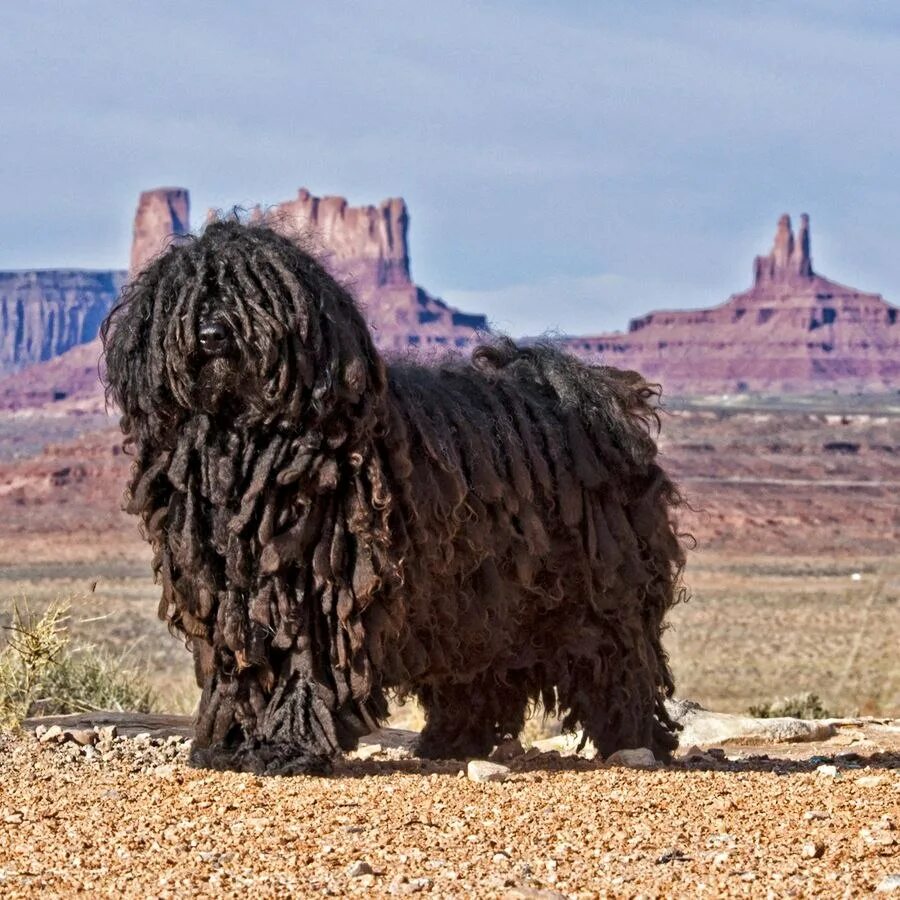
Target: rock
107	733
359	868
522	892
367	751
700	726
83	736
44	313
812	850
792	331
482	770
869	781
890	883
637	758
565	745
162	215
54	734
828	771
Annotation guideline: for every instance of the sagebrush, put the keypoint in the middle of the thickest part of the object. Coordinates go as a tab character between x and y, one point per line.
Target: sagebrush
43	672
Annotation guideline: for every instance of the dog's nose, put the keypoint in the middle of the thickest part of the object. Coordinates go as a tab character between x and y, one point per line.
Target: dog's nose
213	338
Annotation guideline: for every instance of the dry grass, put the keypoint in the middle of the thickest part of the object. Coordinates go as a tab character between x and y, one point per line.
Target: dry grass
42	671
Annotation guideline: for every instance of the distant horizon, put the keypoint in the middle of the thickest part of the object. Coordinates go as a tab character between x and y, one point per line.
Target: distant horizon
566	168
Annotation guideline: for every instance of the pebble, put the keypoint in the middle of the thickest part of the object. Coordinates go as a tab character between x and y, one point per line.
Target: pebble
83	736
868	781
891	883
812	850
640	758
482	770
358	868
826	771
367	751
53	733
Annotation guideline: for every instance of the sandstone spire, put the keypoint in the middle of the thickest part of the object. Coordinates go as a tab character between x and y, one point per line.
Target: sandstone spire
162	214
789	258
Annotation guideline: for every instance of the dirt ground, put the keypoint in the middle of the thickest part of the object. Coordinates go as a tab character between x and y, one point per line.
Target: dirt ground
785	821
795	586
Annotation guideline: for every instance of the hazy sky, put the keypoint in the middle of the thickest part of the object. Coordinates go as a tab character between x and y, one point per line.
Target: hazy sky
566	165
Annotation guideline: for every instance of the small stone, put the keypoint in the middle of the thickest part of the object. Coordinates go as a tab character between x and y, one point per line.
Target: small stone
39	731
14	818
828	772
814	815
639	758
482	770
721	859
82	736
367	751
673	855
359	868
812	850
53	734
870	781
891	883
107	733
142	738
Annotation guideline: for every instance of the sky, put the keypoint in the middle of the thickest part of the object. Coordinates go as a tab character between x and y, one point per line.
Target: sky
566	165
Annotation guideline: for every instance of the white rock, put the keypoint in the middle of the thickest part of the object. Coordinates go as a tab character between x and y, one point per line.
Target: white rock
827	771
358	868
482	770
702	727
891	883
637	758
54	733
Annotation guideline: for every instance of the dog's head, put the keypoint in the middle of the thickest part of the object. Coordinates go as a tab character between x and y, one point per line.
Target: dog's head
241	325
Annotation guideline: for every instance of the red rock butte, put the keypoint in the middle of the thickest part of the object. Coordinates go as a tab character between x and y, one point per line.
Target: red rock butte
793	331
365	247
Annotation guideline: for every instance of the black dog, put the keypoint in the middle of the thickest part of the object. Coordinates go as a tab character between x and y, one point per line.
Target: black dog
327	529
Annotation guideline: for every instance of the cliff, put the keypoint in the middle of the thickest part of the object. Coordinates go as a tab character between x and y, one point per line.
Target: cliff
45	313
366	247
793	331
163	215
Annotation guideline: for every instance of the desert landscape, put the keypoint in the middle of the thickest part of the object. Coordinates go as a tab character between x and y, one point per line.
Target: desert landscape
787	449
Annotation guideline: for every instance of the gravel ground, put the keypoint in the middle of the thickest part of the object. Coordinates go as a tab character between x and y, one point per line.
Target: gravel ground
129	817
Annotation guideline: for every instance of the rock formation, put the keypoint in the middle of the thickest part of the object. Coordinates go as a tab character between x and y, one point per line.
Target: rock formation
163	214
793	331
45	313
366	248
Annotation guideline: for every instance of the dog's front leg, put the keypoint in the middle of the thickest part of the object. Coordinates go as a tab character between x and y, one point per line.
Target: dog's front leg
269	723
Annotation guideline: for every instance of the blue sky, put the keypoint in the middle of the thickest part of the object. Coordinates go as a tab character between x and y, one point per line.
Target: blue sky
566	165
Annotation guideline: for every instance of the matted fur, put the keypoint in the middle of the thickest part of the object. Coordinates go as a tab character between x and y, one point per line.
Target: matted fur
327	529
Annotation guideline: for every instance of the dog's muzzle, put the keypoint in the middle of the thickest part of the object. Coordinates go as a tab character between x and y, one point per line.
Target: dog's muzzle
213	338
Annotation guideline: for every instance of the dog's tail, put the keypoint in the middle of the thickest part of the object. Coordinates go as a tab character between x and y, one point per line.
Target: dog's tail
613	404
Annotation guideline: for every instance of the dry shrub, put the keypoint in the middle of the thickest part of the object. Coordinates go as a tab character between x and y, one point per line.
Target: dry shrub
41	672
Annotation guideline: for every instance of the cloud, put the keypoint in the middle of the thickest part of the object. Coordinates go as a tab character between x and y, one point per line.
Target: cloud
536	144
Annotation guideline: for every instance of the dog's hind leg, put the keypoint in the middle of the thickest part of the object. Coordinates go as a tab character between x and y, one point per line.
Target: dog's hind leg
617	696
468	720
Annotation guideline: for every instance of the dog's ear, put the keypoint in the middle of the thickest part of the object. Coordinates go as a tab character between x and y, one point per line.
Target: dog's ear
128	376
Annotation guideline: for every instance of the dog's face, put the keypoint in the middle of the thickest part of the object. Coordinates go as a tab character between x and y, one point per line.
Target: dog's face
240	325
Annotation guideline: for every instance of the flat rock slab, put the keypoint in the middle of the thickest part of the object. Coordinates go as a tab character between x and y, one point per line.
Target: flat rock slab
158	726
701	727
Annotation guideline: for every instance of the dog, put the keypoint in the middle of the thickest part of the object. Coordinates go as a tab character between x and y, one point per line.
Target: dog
330	530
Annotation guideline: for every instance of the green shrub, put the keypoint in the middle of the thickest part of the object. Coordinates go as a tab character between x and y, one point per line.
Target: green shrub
800	706
41	672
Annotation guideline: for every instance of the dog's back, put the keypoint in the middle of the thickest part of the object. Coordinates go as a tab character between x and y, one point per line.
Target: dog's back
536	524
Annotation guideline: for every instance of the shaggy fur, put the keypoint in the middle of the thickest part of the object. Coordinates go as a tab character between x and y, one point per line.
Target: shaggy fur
327	529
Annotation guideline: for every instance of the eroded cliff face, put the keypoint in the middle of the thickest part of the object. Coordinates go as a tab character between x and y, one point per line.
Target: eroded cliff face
47	312
163	215
366	248
793	331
